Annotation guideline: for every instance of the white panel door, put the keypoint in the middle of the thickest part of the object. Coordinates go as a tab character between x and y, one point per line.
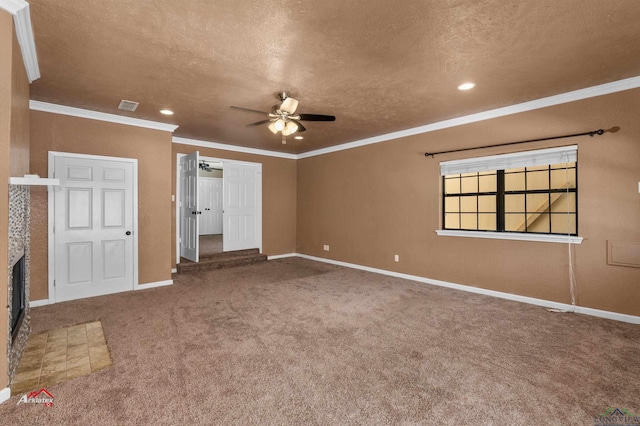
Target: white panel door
242	206
210	206
189	207
93	227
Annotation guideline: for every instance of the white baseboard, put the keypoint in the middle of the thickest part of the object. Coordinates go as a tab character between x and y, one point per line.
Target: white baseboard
5	394
282	256
36	303
153	285
515	297
174	270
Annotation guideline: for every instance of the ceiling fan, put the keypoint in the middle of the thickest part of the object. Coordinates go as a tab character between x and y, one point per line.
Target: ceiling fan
283	117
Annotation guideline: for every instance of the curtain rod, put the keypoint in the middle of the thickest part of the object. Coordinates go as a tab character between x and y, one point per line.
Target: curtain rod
591	134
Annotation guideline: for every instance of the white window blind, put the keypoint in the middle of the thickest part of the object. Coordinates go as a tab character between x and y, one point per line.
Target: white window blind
539	157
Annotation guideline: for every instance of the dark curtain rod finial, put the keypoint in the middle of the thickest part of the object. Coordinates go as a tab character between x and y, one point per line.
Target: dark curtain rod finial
591	134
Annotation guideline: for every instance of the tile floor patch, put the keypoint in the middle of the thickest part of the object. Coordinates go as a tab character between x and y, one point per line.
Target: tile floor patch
62	354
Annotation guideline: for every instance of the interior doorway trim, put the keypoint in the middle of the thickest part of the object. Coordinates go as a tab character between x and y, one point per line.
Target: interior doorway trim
177	194
51	194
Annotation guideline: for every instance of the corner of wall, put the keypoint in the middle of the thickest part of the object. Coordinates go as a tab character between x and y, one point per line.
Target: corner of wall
6	56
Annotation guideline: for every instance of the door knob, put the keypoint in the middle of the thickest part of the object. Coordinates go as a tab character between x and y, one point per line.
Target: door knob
128	232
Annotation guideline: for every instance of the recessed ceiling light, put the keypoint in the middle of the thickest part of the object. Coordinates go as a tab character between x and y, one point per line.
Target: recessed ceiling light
299	137
166	112
466	86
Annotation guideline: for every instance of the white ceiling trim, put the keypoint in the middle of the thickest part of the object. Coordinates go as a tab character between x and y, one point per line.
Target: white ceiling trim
13	6
234	148
100	116
24	32
576	95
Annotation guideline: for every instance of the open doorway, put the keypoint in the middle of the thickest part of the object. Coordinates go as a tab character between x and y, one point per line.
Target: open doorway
210	173
218	208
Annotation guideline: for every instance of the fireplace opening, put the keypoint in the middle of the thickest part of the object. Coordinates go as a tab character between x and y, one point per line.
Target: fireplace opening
18	297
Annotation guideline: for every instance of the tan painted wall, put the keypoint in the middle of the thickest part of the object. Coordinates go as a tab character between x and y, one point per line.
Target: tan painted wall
152	148
278	197
372	202
14	148
19	114
6	29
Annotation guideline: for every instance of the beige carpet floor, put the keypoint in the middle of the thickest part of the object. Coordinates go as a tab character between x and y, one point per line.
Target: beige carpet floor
293	341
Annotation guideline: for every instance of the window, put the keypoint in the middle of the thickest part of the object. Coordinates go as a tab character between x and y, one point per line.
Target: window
528	192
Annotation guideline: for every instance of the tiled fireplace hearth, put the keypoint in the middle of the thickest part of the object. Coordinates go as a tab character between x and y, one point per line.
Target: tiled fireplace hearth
19	247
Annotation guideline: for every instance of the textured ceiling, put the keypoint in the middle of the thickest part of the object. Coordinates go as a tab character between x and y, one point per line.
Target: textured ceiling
378	66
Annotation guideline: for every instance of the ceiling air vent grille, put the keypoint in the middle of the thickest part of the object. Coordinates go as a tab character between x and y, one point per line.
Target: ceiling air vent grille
128	105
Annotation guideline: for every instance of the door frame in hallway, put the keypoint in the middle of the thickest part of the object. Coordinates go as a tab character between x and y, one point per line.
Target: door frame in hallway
215	159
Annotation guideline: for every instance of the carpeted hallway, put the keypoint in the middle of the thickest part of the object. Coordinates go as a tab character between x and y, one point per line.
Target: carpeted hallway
293	341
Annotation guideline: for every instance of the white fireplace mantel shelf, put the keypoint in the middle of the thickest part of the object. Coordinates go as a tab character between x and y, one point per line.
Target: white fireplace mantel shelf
33	181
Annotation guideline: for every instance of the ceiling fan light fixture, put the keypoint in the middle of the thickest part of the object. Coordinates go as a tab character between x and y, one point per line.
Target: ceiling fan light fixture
289	105
283	119
279	124
290	128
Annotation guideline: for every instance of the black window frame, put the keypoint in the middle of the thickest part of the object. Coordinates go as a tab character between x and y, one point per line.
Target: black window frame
500	200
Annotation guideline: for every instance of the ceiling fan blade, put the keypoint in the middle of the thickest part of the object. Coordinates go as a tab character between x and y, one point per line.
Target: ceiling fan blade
249	110
317	117
257	123
301	128
289	105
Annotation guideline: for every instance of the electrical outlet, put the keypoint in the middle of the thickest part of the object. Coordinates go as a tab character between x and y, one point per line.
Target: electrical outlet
396	258
326	247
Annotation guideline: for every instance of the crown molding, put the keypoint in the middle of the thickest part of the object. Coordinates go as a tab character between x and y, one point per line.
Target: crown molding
13	6
576	95
100	116
24	33
234	148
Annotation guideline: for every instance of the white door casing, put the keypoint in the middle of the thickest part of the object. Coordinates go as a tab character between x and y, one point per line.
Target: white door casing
210	199
242	206
180	191
189	207
94	226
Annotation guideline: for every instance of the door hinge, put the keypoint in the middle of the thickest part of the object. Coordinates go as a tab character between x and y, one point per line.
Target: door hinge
54	283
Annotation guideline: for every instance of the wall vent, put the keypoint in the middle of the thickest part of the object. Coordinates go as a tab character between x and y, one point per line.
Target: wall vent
128	105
